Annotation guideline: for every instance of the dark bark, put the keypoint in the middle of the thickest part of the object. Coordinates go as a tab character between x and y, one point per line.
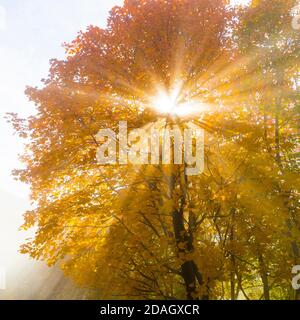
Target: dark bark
264	276
184	242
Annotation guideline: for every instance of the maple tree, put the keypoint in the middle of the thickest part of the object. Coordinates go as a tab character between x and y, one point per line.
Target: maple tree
150	231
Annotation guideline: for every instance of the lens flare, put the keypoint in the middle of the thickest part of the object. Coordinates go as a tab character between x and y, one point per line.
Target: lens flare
164	103
173	103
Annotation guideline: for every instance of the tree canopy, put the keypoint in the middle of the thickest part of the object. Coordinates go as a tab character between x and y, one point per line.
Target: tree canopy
151	231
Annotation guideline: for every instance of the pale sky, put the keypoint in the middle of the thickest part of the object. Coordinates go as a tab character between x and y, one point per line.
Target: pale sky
237	2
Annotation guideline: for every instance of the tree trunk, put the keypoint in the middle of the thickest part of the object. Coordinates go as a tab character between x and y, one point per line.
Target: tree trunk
184	247
264	276
277	132
183	235
184	244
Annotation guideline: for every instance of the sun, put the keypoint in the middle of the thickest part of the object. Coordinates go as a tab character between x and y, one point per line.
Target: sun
165	103
174	103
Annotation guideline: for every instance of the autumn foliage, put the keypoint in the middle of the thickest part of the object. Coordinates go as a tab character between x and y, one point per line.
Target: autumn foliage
150	231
